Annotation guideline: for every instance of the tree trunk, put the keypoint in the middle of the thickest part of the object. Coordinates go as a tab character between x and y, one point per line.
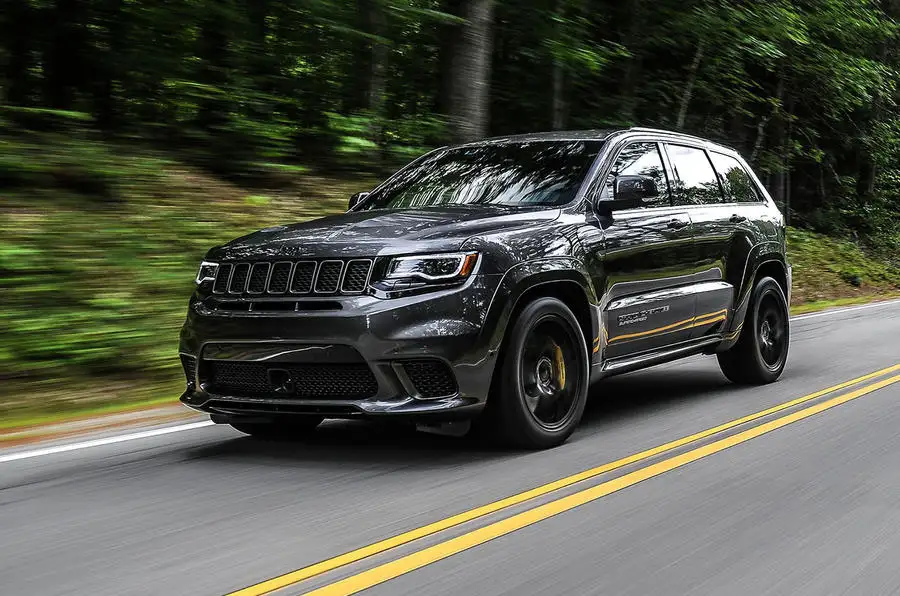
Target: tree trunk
449	37
786	164
380	53
633	65
213	51
63	61
109	70
559	96
17	34
689	85
471	79
778	144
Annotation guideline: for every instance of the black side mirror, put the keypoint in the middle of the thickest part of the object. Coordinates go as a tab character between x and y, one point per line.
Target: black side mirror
630	192
357	198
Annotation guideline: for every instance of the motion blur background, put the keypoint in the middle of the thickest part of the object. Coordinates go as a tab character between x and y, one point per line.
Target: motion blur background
136	134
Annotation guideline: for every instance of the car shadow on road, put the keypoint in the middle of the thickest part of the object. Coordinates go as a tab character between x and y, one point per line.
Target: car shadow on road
613	402
618	399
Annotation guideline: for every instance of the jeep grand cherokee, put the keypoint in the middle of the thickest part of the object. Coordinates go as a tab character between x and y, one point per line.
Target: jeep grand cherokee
494	282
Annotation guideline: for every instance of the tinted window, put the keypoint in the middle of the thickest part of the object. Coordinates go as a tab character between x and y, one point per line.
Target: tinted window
695	179
738	186
536	173
640	159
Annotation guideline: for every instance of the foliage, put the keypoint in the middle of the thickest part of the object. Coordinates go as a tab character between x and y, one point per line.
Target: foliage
136	134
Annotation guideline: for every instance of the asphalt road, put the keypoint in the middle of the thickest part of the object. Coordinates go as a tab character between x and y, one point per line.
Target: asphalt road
812	507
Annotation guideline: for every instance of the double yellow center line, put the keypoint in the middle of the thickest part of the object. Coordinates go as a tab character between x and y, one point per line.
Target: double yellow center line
442	550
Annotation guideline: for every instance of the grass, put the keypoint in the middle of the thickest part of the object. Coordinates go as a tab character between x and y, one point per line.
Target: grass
25	420
99	245
829	272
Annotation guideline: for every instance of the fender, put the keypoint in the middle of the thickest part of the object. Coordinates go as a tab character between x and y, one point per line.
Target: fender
526	276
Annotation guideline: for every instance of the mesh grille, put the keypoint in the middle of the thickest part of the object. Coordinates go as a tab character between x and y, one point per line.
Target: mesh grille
309	381
222	278
239	278
258	277
303	277
431	378
247	378
189	365
281	275
329	277
356	276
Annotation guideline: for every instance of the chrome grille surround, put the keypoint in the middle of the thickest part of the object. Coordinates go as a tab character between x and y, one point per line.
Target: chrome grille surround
356	276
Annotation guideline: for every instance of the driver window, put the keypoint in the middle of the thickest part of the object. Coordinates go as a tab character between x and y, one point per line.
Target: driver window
639	159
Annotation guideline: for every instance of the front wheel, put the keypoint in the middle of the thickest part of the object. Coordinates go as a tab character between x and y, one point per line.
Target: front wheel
760	354
279	431
540	389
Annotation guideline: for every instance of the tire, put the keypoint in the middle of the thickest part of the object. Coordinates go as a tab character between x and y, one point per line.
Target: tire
540	388
760	353
279	431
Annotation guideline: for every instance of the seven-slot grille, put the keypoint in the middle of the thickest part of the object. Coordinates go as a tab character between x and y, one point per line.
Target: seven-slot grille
279	278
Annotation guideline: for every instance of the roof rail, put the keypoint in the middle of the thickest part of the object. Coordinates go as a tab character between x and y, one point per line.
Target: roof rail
676	133
664	131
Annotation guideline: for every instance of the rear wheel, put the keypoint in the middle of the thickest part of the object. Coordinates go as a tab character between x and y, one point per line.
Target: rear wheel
760	354
540	389
279	431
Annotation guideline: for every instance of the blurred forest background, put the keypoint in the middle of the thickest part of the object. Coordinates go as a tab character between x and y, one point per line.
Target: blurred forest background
135	134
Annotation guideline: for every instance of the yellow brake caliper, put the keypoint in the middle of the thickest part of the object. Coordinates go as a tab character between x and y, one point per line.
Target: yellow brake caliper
560	367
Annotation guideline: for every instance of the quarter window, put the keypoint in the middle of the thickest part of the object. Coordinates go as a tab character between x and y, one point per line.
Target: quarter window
640	159
739	187
695	180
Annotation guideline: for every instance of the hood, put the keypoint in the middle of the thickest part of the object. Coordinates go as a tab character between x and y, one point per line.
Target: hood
381	232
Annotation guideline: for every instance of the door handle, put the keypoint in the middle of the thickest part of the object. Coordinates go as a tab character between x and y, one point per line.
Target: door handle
677	224
737	218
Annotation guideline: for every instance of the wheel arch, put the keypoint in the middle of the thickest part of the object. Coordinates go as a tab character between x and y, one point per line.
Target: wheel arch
765	263
564	279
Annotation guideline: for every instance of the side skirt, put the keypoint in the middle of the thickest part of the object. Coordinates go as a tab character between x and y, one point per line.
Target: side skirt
632	362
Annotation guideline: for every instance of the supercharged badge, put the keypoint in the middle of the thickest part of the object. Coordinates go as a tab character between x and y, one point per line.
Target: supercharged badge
640	316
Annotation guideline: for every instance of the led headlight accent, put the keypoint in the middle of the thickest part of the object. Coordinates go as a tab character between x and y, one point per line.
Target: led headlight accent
207	272
433	267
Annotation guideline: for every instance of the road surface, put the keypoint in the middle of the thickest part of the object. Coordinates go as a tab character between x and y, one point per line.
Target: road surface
804	499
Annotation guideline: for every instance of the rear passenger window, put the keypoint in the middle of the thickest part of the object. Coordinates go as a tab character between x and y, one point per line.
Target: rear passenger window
640	159
738	186
695	180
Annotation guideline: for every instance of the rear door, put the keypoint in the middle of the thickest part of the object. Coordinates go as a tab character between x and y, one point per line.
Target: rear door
747	212
643	262
699	190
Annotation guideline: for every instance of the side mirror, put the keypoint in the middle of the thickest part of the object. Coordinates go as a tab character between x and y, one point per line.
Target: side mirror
630	192
356	199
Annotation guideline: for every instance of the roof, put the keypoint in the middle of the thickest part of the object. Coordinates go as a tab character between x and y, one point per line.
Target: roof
593	135
558	135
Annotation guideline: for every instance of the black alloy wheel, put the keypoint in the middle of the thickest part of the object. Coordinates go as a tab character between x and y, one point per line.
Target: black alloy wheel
540	387
760	354
549	390
771	330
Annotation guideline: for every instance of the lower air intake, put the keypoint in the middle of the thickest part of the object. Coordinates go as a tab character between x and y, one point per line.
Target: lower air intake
431	378
299	381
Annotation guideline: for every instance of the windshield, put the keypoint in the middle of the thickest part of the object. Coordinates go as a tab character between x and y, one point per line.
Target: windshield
538	173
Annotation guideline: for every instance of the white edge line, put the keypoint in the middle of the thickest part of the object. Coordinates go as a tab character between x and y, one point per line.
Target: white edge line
195	425
838	311
105	441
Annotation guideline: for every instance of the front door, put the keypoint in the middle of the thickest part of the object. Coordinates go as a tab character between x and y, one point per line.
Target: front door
643	264
698	189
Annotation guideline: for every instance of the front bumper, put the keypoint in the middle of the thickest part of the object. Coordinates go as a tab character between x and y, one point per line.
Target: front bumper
443	326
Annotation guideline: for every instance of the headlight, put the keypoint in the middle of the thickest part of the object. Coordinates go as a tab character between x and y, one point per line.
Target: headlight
432	267
207	272
427	271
